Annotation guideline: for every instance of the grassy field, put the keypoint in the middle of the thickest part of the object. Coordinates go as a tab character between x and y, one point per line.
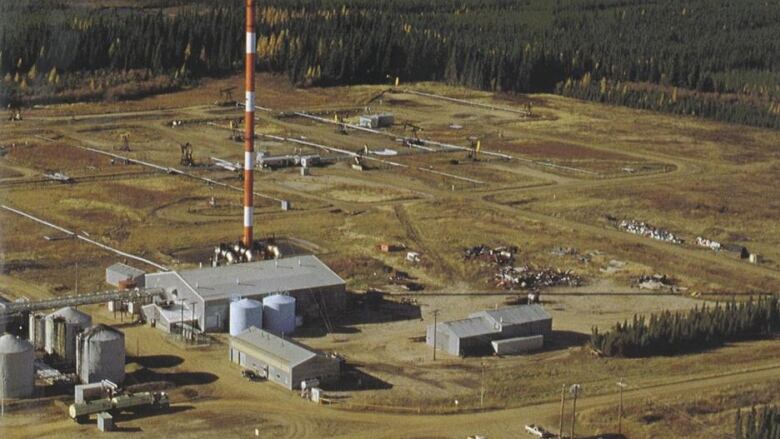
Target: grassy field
572	164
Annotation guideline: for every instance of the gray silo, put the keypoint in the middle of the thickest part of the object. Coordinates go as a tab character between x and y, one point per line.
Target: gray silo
62	327
37	330
245	313
279	314
17	376
100	355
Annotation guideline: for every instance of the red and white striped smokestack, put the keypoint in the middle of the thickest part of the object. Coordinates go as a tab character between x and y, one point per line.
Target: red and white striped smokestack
249	122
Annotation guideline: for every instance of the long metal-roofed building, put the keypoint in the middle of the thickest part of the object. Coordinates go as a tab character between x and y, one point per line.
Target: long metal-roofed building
209	290
282	360
474	335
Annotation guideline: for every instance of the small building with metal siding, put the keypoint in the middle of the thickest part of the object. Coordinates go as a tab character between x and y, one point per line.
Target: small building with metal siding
210	289
376	120
281	360
475	334
120	273
517	345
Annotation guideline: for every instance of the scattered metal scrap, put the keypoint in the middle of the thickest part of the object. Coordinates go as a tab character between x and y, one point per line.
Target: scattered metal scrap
526	277
564	251
656	282
502	255
704	242
644	229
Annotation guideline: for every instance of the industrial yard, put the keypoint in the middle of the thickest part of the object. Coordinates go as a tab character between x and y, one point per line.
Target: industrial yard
594	201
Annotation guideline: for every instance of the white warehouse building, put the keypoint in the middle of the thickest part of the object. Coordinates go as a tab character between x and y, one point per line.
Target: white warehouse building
209	290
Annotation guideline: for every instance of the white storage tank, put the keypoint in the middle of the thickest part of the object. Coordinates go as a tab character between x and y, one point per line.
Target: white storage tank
245	313
17	376
101	355
279	314
62	327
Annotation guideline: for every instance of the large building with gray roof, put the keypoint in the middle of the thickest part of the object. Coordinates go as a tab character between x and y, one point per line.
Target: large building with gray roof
475	334
209	290
282	360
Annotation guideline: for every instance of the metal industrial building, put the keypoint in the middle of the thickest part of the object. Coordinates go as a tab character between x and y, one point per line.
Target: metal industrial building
475	334
120	275
208	291
281	360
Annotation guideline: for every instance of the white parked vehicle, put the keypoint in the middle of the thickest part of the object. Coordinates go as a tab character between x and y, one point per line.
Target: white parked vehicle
538	431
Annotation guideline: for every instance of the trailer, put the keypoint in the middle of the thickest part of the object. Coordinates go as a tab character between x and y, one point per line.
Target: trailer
80	412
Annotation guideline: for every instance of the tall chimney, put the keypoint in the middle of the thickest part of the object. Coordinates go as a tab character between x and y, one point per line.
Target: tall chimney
249	122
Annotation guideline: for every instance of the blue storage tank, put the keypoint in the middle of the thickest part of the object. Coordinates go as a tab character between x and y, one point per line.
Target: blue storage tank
245	313
279	314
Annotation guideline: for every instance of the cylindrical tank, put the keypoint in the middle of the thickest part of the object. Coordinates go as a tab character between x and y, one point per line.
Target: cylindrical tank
17	376
101	355
62	327
279	314
245	313
37	331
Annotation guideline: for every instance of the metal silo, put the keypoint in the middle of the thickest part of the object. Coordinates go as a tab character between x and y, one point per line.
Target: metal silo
37	330
245	313
62	327
279	314
101	355
17	376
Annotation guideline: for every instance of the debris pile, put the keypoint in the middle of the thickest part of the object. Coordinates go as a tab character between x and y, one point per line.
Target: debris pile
564	251
704	242
655	282
525	277
644	229
502	255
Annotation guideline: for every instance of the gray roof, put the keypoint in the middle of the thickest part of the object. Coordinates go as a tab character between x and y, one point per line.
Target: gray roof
284	349
125	270
491	322
101	332
514	315
71	315
251	278
471	327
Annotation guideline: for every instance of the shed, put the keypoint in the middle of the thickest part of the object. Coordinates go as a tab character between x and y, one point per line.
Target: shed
105	422
517	345
736	250
282	360
475	334
376	120
121	275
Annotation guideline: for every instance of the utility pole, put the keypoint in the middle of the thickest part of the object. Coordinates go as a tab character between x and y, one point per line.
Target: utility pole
181	322
435	329
575	390
482	388
77	278
563	402
622	385
192	322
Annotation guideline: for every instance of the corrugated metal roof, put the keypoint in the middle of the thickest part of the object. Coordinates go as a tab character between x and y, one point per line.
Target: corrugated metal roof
471	327
250	279
287	351
514	315
125	270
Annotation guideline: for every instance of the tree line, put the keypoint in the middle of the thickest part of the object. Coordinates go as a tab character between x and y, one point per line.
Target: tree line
670	333
707	47
764	424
